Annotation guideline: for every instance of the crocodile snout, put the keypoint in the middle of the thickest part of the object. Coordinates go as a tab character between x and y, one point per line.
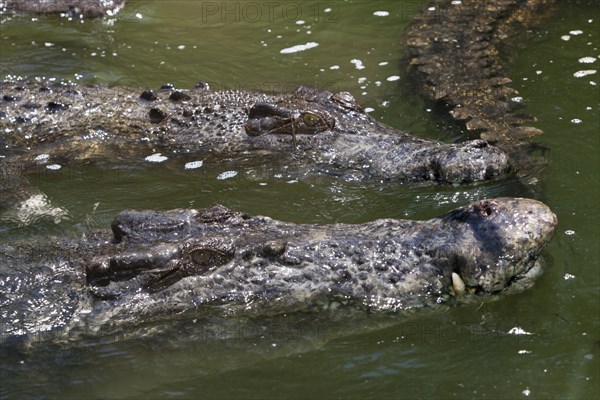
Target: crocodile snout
472	161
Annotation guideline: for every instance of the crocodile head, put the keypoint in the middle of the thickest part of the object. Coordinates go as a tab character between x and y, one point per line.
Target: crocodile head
309	111
313	112
336	124
220	257
498	245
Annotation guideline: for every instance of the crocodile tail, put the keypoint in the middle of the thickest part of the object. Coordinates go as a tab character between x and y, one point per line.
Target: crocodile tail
454	50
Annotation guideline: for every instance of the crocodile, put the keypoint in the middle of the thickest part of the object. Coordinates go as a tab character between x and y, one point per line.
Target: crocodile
62	123
455	52
57	125
70	8
455	64
155	265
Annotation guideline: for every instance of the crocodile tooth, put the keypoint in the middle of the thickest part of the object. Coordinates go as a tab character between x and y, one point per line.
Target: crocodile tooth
458	284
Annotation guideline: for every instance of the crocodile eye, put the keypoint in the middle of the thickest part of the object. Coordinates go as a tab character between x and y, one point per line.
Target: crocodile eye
202	256
311	119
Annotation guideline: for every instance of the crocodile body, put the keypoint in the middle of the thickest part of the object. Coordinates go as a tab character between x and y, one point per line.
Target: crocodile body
455	53
221	262
70	8
157	264
310	132
321	130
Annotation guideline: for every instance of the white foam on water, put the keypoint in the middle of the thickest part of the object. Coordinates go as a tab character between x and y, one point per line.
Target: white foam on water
194	164
518	331
580	74
226	175
156	158
357	63
299	47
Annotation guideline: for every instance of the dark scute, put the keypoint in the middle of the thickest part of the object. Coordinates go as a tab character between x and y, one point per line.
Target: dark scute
54	106
10	98
179	96
148	95
157	115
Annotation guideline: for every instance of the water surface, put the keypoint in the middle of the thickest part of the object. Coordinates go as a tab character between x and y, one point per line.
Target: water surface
544	343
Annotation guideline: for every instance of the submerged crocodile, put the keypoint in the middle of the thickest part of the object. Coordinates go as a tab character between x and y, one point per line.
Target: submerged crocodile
71	8
326	131
218	261
322	132
454	50
59	125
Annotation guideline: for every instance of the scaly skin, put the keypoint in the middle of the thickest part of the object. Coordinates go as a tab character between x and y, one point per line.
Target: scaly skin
71	123
311	131
222	262
454	51
72	8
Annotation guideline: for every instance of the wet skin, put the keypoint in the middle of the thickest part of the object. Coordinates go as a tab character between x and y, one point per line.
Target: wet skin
221	261
322	131
70	8
456	54
159	263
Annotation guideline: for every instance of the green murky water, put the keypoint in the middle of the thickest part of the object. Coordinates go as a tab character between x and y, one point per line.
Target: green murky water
467	352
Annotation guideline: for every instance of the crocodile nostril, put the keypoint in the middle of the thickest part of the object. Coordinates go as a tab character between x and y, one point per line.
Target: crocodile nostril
486	209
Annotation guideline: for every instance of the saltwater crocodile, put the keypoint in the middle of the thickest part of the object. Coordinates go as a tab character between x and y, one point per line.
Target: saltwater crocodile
70	8
62	123
58	125
218	261
455	48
